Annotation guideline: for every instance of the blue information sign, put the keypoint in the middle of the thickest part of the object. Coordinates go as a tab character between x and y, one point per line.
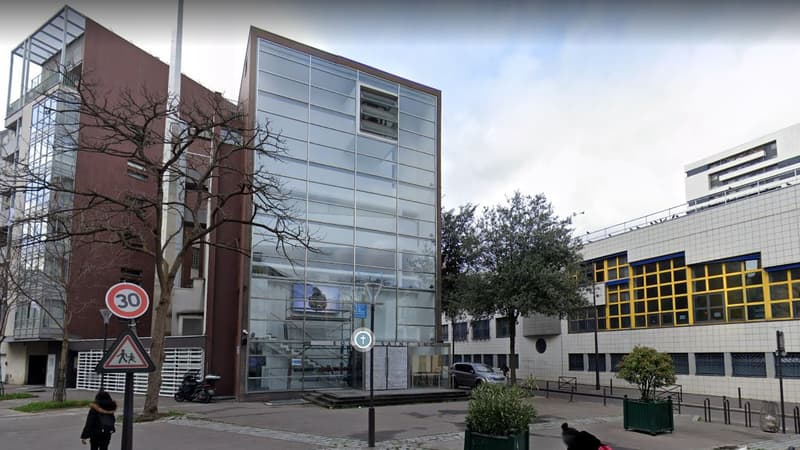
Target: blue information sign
360	311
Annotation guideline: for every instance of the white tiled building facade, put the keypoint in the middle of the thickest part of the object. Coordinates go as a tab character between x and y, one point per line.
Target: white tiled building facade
710	287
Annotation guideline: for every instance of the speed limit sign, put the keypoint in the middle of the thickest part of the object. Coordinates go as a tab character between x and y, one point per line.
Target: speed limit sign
127	300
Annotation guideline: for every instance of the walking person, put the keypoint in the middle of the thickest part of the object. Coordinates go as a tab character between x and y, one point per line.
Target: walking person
100	422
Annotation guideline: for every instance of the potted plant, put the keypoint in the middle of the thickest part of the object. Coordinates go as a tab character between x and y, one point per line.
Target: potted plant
498	418
649	370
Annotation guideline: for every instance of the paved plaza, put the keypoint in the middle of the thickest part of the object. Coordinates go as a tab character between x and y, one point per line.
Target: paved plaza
436	426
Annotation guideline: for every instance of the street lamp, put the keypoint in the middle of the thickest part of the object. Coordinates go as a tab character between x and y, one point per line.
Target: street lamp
780	353
106	317
373	289
596	323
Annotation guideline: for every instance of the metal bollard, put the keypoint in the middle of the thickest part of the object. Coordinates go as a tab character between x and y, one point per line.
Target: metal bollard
740	397
796	419
726	410
611	386
748	419
707	410
604	396
571	392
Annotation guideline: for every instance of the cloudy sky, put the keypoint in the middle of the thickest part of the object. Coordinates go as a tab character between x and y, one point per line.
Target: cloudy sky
597	105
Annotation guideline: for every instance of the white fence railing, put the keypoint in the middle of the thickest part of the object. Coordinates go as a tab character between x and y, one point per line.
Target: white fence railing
177	362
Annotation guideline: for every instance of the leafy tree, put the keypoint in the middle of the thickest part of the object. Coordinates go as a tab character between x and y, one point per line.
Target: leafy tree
648	369
459	257
529	261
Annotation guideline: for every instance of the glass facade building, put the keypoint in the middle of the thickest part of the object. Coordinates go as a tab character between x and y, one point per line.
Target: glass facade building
361	169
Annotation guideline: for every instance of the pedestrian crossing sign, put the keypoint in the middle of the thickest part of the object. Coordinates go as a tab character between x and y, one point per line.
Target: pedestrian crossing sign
126	355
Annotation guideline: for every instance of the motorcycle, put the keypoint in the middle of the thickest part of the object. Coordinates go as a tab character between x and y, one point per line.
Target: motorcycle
195	390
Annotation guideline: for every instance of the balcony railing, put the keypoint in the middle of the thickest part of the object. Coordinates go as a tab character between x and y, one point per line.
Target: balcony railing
42	83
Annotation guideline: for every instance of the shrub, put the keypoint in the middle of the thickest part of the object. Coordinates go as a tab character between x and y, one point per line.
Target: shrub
499	410
648	369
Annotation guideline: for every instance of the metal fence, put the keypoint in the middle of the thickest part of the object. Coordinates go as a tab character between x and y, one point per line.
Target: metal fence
177	362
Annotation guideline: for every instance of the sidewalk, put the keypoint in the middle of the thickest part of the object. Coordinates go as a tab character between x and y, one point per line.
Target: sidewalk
438	426
690	404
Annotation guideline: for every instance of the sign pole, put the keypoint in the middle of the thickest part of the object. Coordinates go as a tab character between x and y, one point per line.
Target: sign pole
126	301
127	414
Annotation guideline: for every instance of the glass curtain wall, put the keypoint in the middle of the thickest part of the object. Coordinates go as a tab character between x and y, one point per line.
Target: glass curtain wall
368	199
50	159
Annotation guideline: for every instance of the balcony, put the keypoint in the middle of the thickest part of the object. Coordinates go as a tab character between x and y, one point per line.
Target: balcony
37	326
42	83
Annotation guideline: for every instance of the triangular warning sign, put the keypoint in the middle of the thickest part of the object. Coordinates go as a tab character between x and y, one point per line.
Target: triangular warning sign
126	355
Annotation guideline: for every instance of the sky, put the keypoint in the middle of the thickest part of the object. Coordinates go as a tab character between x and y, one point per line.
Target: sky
598	105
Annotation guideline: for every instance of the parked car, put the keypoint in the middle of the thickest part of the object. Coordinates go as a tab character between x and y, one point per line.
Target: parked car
473	374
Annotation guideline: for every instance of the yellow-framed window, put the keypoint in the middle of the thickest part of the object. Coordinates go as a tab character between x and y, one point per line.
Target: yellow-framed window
730	291
660	289
618	304
784	294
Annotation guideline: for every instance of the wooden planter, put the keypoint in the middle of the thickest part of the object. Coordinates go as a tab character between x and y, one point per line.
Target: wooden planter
478	441
649	416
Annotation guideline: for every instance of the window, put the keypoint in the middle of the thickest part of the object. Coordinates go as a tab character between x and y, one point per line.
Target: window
576	361
128	275
515	360
480	330
488	360
445	332
680	361
378	113
616	358
709	364
5	199
197	258
502	327
791	365
601	358
460	331
191	325
477	358
137	171
749	365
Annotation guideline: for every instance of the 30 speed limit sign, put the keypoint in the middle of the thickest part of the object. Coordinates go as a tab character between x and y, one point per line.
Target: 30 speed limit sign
127	300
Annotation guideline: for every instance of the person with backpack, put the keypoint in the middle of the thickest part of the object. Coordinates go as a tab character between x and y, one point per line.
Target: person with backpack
580	440
100	422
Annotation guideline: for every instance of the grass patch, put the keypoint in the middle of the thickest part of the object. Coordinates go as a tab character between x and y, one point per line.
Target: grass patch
16	396
44	406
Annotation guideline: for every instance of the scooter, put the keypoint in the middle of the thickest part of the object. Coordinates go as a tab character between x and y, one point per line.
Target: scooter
195	390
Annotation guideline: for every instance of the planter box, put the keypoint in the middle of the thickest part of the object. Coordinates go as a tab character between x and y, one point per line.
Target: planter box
478	441
651	417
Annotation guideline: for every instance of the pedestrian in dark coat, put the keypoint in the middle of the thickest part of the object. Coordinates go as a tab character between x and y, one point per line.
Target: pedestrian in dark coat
100	422
579	440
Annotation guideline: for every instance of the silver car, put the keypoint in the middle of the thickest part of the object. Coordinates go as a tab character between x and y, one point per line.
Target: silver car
473	374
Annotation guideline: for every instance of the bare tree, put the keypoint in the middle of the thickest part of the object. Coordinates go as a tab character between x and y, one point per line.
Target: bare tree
209	171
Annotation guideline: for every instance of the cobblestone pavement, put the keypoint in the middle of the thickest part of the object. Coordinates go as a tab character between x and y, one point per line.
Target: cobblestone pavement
419	442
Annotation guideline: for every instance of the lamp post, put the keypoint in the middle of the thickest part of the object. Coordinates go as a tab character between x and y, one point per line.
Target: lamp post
373	289
596	323
106	317
781	350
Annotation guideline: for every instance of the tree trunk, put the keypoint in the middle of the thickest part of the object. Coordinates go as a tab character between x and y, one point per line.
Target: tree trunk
60	392
512	344
157	353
